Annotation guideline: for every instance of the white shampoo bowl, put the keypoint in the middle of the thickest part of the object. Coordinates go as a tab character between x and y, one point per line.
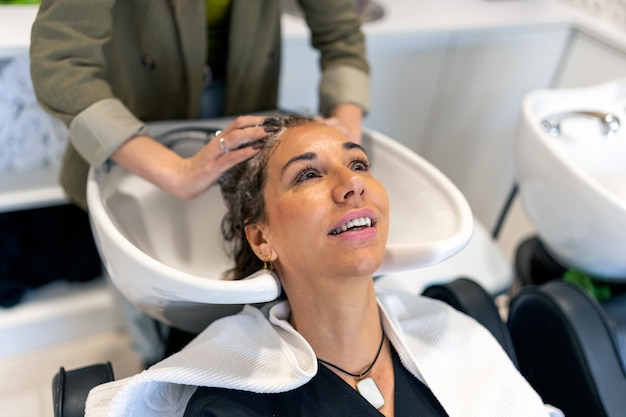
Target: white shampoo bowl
571	165
166	255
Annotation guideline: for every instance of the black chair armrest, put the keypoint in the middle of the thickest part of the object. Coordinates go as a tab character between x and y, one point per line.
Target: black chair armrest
70	388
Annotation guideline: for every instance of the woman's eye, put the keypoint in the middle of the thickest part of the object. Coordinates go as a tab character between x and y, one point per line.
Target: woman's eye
307	174
361	165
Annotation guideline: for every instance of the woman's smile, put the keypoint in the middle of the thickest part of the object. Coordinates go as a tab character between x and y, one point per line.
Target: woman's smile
360	224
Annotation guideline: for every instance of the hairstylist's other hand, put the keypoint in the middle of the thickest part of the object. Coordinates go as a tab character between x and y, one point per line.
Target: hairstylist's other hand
189	177
347	118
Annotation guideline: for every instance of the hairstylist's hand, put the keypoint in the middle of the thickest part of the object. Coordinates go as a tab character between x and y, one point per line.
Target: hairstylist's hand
347	118
189	177
238	142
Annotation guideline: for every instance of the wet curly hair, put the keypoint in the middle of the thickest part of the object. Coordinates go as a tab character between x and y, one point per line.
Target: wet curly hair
242	189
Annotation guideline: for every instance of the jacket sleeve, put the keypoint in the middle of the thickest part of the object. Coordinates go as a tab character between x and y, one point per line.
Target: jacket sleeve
336	33
68	72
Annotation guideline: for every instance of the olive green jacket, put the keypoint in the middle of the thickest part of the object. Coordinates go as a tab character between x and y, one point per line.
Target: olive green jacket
105	67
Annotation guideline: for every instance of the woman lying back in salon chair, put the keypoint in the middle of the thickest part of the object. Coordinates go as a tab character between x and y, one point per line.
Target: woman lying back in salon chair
307	209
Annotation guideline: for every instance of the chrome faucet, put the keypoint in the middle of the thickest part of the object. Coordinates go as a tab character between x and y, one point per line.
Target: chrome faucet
609	123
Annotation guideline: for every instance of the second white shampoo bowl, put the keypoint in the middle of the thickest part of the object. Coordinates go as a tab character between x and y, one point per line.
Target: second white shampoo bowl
166	256
571	165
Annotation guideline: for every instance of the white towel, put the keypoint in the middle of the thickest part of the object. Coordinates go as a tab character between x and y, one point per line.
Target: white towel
459	360
243	352
461	363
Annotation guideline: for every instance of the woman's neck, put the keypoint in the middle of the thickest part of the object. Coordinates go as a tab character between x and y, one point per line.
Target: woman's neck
341	322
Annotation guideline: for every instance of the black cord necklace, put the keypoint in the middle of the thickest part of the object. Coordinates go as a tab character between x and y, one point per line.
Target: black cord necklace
365	386
365	372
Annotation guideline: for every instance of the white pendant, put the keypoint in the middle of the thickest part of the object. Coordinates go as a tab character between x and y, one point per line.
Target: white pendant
369	390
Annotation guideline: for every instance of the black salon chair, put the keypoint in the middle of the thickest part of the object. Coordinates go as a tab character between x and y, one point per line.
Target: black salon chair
571	348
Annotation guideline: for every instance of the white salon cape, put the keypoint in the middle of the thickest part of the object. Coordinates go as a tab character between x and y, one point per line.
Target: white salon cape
458	359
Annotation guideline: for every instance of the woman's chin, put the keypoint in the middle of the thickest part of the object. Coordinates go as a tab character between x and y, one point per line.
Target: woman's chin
364	266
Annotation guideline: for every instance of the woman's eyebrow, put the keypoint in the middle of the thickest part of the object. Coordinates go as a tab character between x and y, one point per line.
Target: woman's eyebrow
307	156
351	145
311	156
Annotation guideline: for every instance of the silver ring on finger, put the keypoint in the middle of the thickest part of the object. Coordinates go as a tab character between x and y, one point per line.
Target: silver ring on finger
223	145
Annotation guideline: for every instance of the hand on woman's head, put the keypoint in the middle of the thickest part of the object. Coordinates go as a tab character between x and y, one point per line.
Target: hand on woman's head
241	140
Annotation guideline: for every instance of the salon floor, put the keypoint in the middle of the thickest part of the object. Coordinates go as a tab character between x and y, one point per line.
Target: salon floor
26	380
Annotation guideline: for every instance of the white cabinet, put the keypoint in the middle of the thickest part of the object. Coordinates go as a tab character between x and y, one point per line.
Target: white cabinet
31	189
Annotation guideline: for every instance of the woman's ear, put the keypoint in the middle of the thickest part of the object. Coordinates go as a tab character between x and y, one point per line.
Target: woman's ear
256	234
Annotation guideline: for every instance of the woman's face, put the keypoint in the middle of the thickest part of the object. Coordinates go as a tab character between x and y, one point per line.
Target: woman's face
326	215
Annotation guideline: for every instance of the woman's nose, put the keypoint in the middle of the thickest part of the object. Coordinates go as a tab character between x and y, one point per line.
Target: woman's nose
350	186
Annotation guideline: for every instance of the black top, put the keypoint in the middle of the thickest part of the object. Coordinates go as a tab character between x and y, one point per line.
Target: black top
325	395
